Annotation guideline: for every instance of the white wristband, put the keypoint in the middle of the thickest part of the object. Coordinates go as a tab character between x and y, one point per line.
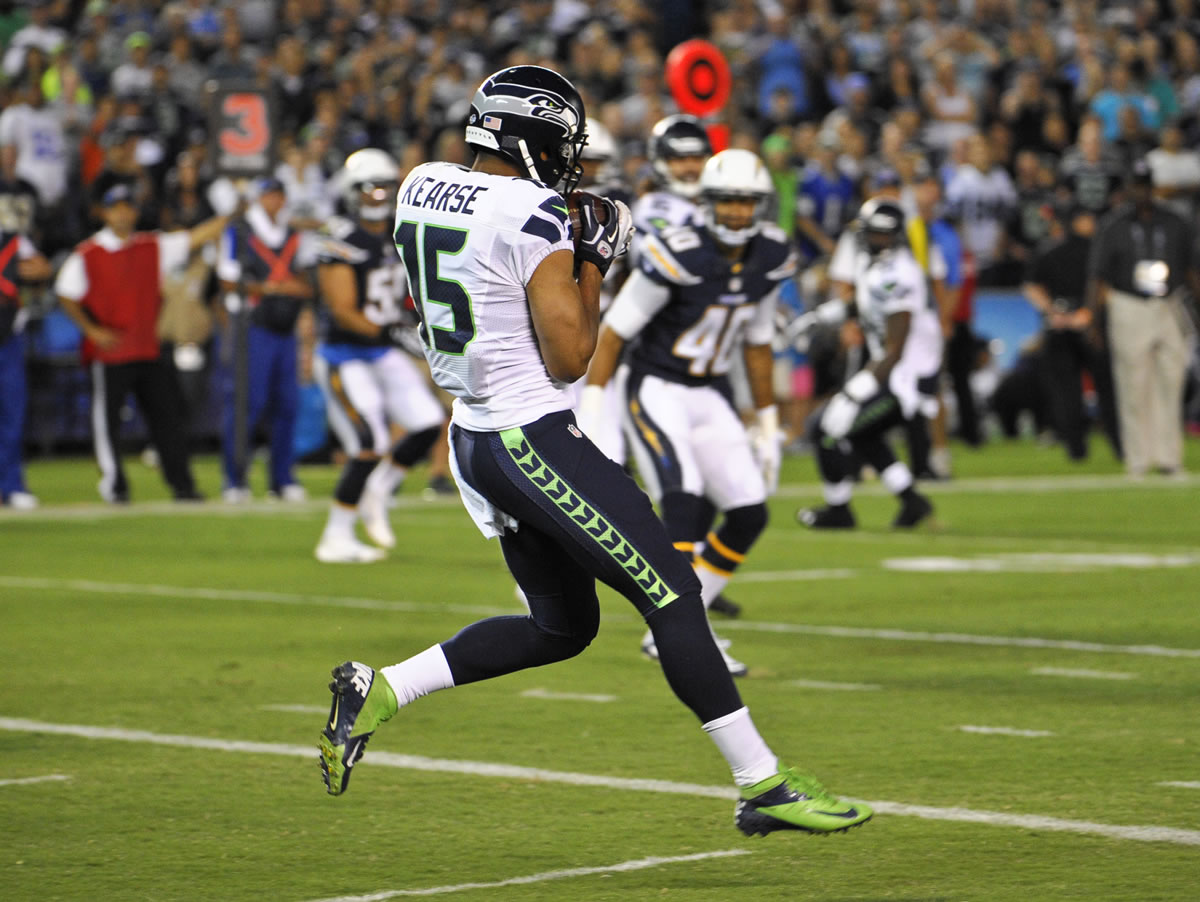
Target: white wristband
591	399
768	420
861	386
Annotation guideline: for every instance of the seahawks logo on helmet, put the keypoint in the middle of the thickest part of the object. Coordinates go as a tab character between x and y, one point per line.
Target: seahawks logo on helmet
532	117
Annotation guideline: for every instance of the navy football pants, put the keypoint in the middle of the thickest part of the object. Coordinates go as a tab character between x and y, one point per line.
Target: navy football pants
582	518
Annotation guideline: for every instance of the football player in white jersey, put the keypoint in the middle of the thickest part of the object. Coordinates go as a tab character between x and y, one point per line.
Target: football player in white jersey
899	320
701	294
507	324
368	382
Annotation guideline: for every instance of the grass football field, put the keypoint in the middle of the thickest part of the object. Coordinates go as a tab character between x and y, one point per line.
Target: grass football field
1016	689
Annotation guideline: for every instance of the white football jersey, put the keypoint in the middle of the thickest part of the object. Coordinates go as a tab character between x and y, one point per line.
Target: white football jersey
895	283
654	212
470	242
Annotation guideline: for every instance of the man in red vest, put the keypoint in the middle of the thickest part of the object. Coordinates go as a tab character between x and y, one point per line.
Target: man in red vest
110	286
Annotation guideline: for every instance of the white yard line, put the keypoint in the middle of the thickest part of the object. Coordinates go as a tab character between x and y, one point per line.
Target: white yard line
1041	562
23	781
639	865
846	687
567	696
1175	835
1182	784
1074	673
373	604
894	635
793	576
206	593
1010	485
1005	731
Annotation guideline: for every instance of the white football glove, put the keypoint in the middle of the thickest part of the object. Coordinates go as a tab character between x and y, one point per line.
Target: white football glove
766	443
599	243
590	413
842	409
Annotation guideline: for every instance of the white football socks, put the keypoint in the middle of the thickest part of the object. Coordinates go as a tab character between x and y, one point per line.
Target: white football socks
341	520
421	674
750	760
711	583
385	478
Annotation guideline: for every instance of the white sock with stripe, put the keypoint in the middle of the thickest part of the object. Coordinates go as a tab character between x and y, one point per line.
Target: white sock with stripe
750	759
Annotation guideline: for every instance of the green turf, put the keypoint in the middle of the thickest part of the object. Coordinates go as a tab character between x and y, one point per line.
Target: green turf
189	620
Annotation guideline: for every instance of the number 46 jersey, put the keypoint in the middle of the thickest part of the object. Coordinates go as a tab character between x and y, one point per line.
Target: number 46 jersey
692	308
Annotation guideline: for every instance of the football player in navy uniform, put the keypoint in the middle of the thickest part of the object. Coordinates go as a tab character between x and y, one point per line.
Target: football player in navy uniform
702	293
508	292
903	335
678	148
367	380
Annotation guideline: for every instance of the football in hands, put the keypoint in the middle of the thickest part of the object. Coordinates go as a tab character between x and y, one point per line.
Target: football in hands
575	200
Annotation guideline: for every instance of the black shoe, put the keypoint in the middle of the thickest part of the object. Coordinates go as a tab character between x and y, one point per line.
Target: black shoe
722	605
913	510
188	495
831	516
439	487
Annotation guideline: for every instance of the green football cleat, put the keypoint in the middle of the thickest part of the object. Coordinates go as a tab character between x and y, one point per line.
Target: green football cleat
791	800
361	702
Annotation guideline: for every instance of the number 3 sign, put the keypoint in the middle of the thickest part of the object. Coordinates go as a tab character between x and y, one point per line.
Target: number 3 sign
242	128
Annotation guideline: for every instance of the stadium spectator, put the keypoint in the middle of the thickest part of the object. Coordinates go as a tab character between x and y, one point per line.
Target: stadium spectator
1033	215
1176	171
1090	171
110	288
949	107
40	33
825	201
1122	92
33	147
135	76
980	197
1141	261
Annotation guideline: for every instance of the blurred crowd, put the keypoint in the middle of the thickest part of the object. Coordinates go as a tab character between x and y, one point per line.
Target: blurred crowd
1019	112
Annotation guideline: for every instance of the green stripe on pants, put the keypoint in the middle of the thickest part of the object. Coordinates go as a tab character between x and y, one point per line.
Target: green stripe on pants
604	534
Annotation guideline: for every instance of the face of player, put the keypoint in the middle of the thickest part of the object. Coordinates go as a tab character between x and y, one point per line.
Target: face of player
734	212
686	169
377	202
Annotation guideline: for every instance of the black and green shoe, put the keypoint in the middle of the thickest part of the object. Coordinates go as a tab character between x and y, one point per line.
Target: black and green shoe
791	800
361	702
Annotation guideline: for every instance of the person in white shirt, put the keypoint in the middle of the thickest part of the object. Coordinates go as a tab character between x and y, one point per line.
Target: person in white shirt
1175	170
508	293
981	197
38	33
32	145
